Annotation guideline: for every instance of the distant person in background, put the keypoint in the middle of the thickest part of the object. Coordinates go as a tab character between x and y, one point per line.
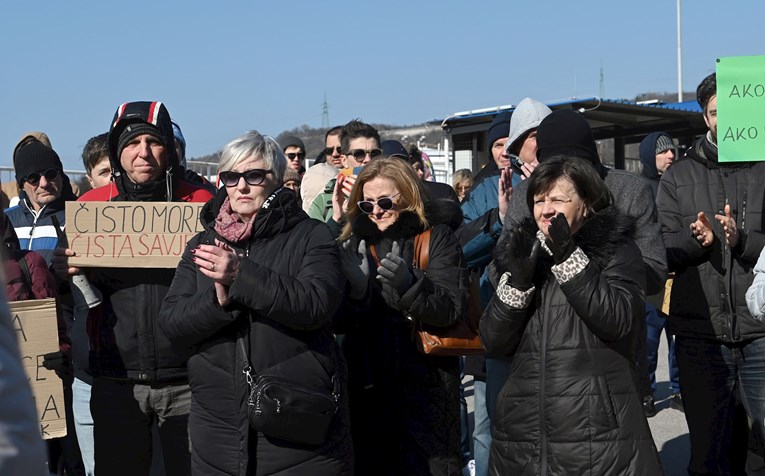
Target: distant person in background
294	148
462	180
319	180
190	175
95	158
657	153
292	181
435	190
360	143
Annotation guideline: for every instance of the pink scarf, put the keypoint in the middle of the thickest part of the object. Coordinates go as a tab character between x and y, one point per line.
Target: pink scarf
230	226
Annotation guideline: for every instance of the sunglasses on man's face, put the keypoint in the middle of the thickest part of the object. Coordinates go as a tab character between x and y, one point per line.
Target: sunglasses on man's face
333	150
252	177
299	155
34	177
360	154
368	206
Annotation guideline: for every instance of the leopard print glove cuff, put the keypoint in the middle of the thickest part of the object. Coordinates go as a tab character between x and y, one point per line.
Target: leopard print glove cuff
574	265
511	296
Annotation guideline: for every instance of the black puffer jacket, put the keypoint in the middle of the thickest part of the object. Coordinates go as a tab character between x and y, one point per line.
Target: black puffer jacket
404	404
570	405
287	290
708	294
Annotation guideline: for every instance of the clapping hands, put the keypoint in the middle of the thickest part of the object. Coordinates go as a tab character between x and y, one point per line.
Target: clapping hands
394	271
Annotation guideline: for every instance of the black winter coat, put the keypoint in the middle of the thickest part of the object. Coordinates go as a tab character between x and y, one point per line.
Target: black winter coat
404	404
708	295
570	405
288	287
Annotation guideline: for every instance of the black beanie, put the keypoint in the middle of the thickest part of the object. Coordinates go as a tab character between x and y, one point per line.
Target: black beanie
134	130
35	157
498	129
566	132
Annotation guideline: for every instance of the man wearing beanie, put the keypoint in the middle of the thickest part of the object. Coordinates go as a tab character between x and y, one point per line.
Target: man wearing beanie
711	217
294	149
657	153
139	376
43	190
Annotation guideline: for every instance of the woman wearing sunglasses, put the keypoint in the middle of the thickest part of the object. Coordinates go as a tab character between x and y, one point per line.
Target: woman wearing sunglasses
404	404
260	285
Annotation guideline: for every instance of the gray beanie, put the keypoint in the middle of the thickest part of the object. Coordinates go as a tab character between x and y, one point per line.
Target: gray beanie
293	141
527	116
664	142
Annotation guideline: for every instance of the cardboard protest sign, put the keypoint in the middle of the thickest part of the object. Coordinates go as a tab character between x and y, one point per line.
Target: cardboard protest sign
130	234
37	332
741	108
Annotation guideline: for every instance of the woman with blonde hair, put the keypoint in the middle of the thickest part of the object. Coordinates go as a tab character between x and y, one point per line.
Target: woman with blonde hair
462	180
404	404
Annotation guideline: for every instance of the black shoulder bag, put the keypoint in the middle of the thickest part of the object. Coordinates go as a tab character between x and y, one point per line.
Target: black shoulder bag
284	409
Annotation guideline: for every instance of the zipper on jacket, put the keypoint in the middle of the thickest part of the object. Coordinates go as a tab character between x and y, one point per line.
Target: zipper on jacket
34	223
542	383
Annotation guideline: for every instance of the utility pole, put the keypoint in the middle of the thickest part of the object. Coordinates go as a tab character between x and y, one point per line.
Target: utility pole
679	58
325	113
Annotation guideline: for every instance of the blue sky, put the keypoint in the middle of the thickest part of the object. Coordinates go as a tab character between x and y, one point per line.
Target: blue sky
226	67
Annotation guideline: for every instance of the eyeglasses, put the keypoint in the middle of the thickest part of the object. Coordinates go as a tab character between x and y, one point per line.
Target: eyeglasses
299	155
368	206
34	177
360	154
252	177
333	150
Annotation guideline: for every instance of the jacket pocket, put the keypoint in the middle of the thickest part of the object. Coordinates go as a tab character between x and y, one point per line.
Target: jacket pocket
608	402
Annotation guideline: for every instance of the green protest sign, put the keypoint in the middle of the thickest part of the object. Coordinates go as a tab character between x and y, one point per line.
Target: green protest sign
741	108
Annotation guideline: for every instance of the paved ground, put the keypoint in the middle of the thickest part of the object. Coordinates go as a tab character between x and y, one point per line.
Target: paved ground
669	429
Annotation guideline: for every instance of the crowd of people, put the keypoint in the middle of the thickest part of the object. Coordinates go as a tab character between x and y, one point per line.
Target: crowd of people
284	342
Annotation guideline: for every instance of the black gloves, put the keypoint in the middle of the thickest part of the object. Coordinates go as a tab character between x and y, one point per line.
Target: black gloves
522	261
59	363
394	272
560	243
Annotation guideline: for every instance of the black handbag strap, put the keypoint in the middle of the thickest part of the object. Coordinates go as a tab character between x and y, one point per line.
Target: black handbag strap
246	366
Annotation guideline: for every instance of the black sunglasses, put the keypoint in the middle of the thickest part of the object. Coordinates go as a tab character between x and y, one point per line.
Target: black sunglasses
252	177
332	150
34	177
368	206
299	155
359	154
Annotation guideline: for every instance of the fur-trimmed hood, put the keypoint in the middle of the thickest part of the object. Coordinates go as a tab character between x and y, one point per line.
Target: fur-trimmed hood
599	238
440	211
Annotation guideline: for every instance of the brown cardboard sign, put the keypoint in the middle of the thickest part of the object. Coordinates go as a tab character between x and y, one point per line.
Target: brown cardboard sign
37	332
130	234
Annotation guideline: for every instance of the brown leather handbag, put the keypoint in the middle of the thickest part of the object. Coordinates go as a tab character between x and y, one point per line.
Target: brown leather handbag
460	338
